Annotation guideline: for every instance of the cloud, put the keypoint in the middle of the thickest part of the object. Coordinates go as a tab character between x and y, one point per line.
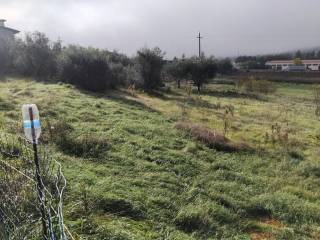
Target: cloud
229	26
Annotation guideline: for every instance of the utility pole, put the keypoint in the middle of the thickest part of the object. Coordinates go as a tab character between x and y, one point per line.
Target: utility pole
199	37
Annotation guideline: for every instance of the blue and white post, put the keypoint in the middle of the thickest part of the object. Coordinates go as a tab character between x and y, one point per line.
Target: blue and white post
32	130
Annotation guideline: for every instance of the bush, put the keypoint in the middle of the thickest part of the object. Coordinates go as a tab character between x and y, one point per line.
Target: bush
119	74
120	66
253	85
224	66
87	68
91	69
150	62
118	58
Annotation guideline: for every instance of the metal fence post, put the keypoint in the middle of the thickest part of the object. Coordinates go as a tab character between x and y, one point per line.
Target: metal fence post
40	186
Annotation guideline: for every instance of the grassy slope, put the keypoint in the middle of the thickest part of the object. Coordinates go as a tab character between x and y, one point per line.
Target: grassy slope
153	182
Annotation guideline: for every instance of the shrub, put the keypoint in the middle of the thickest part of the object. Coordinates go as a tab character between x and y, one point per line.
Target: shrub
119	75
211	138
227	118
91	69
87	68
118	58
224	66
253	85
296	156
133	76
150	62
120	66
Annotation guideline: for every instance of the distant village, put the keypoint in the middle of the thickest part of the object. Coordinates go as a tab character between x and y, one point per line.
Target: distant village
294	65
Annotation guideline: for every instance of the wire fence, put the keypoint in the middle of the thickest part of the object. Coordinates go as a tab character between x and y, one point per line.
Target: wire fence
27	211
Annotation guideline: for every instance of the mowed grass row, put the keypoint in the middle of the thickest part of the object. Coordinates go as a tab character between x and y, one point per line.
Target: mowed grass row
132	175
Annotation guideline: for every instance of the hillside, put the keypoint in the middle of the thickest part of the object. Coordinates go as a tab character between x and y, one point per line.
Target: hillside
133	175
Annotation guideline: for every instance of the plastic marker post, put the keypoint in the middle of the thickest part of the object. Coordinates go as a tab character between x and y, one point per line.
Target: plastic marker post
31	122
32	131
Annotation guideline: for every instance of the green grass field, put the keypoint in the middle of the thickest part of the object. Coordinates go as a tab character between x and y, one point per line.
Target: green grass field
132	175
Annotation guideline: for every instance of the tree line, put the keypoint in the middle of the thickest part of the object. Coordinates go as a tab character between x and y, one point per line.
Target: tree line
97	70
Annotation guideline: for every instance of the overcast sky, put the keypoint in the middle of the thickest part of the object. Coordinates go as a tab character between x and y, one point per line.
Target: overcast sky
229	27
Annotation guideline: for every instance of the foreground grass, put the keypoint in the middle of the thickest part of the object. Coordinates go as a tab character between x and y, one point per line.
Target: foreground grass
132	175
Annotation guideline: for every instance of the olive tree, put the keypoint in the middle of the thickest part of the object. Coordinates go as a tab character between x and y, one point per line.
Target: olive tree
150	64
36	56
86	68
201	70
177	70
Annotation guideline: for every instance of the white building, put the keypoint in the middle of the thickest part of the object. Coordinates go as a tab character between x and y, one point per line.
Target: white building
6	33
288	65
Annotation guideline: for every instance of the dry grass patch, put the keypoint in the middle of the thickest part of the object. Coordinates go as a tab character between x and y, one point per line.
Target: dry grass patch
211	138
272	223
261	236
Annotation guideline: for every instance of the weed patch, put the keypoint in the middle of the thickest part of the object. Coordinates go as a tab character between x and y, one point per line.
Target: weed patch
5	105
120	207
254	85
289	208
85	145
203	217
309	169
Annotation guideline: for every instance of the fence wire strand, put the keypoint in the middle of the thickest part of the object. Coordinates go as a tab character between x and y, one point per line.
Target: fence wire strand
20	206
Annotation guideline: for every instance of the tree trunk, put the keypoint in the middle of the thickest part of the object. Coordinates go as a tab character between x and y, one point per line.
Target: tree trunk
199	87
